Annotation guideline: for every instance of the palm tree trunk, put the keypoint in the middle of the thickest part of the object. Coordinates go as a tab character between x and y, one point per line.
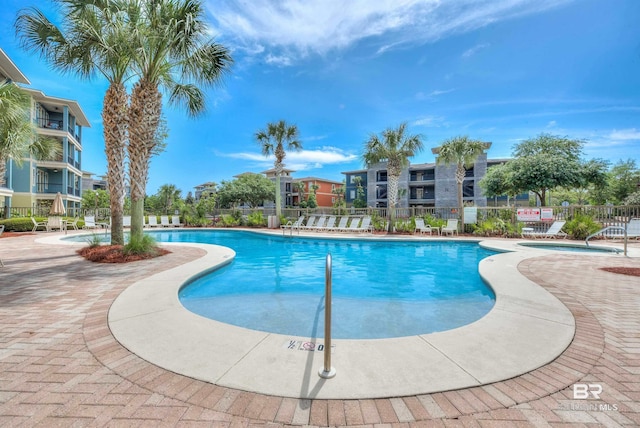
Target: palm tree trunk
114	114
144	117
3	171
460	173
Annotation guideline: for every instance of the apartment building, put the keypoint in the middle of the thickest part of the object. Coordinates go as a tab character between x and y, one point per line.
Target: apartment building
34	184
423	185
323	188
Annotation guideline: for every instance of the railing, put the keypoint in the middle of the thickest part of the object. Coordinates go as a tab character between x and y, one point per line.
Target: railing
327	372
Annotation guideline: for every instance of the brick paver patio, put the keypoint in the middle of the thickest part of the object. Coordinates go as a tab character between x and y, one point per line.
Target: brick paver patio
60	366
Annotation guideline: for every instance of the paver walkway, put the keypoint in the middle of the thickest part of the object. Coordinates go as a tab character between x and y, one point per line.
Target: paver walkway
60	366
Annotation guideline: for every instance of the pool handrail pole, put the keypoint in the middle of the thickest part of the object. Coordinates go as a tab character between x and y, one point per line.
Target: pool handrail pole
327	372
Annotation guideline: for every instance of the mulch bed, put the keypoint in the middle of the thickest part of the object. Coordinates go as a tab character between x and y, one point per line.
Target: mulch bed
114	254
14	234
623	270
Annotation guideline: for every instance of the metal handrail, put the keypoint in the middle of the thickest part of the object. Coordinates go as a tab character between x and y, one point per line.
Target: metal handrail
327	372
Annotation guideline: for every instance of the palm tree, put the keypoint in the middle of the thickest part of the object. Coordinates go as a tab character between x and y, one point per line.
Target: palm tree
172	51
18	137
273	141
395	148
93	38
462	152
168	194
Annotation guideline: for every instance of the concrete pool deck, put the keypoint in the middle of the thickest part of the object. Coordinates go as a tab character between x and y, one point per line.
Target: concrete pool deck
63	298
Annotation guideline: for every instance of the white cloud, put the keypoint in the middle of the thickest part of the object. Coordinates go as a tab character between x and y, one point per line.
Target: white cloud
552	124
279	60
320	26
474	50
299	161
625	134
429	121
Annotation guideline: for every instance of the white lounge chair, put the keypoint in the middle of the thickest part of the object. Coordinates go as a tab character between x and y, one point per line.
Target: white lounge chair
73	224
632	229
421	227
353	226
153	221
90	222
331	222
342	224
37	224
320	224
175	221
365	226
451	227
164	221
554	231
311	223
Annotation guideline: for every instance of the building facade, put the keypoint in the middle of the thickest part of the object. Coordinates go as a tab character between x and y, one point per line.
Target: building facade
324	189
424	185
34	183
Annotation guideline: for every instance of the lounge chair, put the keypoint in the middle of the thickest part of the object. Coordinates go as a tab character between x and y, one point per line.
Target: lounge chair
320	224
175	221
37	224
353	226
126	221
73	224
554	231
293	225
331	222
342	224
164	221
153	221
90	223
310	223
366	225
617	232
451	227
421	227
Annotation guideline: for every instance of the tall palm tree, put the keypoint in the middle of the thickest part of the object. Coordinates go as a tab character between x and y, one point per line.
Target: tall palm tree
273	141
168	194
395	148
18	137
174	52
93	38
462	152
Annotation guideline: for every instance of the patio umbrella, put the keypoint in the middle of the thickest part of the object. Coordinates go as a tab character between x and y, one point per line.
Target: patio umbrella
57	208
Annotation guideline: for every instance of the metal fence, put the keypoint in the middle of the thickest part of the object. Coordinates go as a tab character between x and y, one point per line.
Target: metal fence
605	215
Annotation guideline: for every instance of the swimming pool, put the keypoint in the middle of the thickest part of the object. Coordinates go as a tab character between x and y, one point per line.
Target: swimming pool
381	289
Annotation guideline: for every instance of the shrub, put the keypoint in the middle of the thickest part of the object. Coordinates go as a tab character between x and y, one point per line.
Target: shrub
140	245
228	220
94	241
20	224
256	219
581	226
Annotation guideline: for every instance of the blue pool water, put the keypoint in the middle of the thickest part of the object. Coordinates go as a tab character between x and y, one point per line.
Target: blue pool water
381	289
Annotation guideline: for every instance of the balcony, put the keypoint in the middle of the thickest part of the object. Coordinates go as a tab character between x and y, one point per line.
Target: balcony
57	125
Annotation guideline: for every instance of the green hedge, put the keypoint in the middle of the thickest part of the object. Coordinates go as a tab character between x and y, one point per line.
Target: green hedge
24	224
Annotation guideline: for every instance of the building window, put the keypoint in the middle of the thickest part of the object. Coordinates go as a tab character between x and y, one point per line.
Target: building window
333	199
467	189
381	192
469	172
381	176
333	187
352	194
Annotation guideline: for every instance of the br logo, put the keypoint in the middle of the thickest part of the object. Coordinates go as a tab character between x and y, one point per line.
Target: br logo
582	391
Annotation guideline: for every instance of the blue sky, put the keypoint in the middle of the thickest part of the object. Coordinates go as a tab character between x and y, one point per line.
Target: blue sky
495	70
